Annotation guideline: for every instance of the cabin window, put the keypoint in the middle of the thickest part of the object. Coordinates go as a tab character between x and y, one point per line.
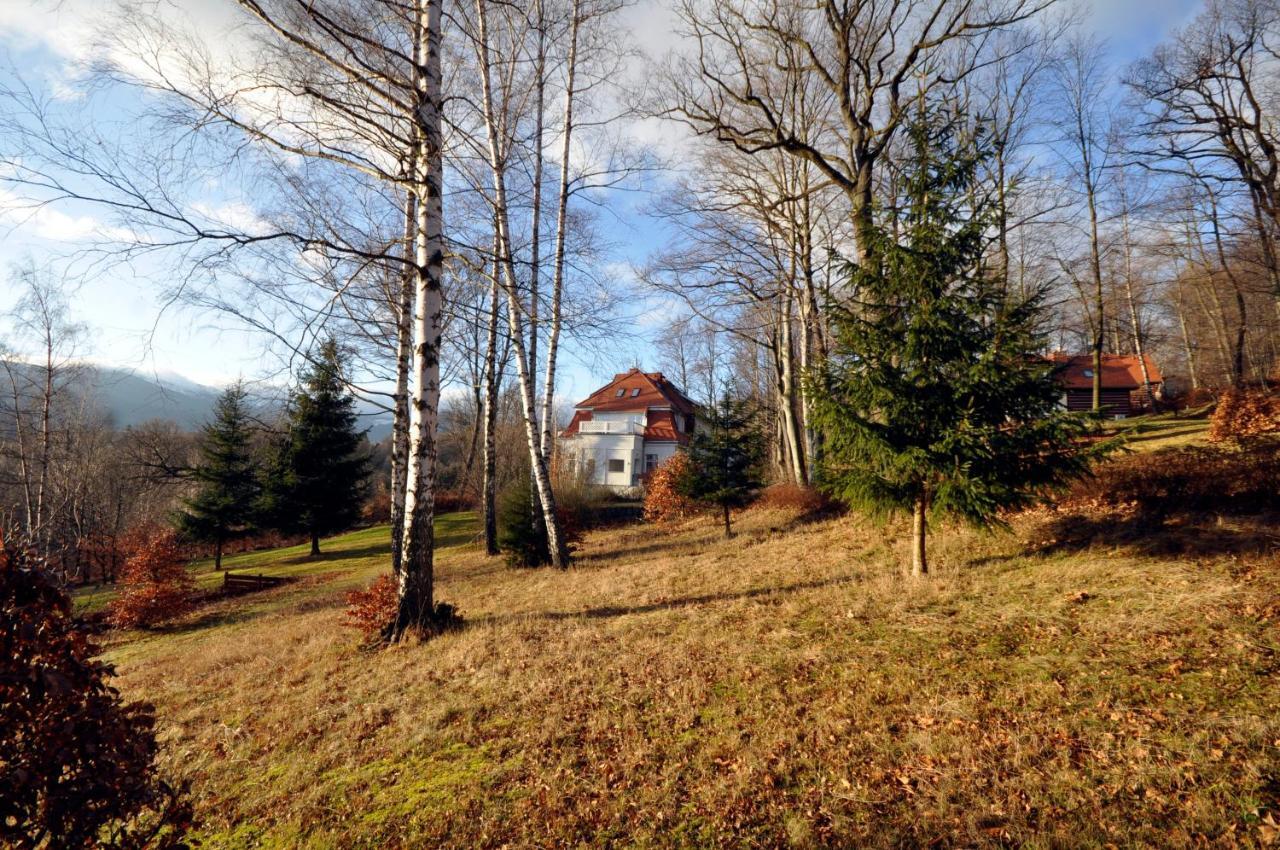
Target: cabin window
620	393
617	465
635	392
650	463
1088	373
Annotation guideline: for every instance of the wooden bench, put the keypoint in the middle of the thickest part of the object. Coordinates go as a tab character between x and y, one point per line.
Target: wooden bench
236	583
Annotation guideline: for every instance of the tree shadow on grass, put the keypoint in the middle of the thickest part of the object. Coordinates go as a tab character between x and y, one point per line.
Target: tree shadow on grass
1179	535
612	611
325	555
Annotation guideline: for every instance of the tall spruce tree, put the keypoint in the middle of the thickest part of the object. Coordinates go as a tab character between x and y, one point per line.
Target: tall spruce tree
935	399
224	505
724	459
318	479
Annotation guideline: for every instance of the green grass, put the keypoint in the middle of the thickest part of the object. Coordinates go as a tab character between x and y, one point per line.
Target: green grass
788	688
357	551
1163	430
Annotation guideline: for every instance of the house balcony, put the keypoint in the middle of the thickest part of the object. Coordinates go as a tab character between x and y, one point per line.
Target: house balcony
632	428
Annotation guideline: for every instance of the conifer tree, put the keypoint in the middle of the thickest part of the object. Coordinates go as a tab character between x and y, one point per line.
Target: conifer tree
723	467
935	398
317	481
224	506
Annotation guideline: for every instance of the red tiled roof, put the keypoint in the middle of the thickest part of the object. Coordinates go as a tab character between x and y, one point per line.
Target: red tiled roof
654	390
1119	371
661	427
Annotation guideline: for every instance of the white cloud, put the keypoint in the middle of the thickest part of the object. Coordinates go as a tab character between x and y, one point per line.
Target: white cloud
23	217
233	215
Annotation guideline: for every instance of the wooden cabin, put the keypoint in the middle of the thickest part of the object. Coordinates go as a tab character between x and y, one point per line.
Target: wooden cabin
1123	391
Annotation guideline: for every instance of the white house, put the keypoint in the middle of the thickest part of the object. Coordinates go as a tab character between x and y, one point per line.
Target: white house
627	427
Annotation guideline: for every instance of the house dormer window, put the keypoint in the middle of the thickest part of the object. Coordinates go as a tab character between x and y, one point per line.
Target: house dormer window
620	393
635	392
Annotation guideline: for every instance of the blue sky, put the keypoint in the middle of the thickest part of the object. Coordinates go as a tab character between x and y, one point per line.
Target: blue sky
39	41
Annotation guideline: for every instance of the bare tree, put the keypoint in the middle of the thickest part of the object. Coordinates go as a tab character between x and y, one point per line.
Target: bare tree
863	62
1087	127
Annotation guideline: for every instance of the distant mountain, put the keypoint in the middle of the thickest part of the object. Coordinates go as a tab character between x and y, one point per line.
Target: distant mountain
134	396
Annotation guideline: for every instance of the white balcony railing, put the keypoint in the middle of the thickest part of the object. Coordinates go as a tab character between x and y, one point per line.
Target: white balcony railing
610	428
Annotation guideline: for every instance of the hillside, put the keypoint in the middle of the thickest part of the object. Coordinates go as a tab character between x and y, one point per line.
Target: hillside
786	688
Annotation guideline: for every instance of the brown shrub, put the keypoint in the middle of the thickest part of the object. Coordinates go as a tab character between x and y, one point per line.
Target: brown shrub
154	583
451	501
1198	397
794	497
1244	414
370	609
77	763
377	508
662	499
1187	479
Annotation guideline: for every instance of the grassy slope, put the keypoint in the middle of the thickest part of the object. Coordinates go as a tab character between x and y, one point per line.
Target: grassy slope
787	688
1165	430
293	562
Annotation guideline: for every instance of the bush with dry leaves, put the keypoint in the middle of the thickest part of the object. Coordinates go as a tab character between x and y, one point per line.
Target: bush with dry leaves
155	586
1245	414
663	501
77	763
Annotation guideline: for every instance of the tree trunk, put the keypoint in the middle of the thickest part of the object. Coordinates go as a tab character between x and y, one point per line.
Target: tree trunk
217	555
1135	325
1095	267
919	529
790	424
1186	339
535	145
416	585
541	478
1237	352
315	544
728	529
400	418
562	210
863	205
491	378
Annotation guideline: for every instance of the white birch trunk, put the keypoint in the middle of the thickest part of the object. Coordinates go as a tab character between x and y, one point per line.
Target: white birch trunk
416	581
491	377
562	209
791	426
541	477
400	419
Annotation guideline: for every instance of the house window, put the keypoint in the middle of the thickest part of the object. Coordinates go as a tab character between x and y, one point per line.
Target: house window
620	393
650	463
635	392
1088	373
617	465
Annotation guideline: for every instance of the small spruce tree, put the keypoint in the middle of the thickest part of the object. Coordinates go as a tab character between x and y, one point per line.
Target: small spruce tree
723	459
316	483
225	504
522	533
934	398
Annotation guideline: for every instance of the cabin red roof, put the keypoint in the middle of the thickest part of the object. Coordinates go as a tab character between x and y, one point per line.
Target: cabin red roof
635	391
1119	371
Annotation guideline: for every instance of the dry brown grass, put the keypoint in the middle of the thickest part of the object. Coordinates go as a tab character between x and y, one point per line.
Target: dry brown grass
789	687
